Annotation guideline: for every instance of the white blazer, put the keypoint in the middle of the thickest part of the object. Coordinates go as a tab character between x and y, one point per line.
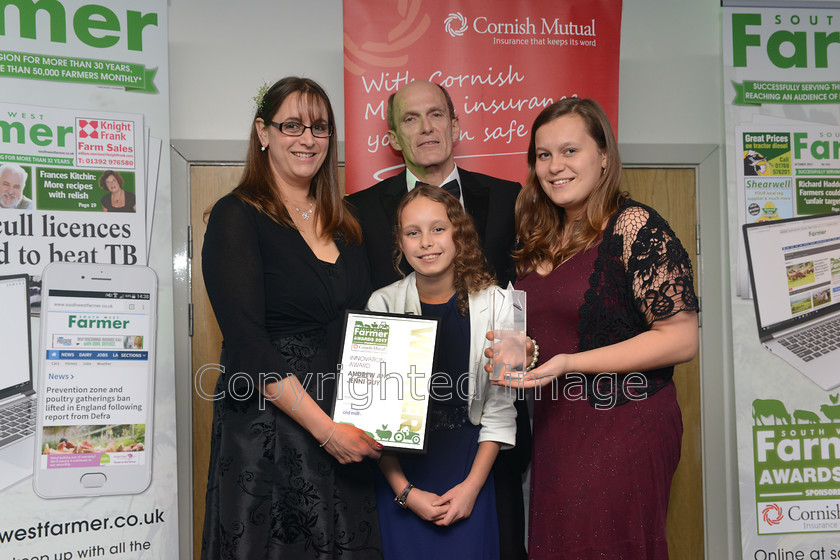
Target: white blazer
490	406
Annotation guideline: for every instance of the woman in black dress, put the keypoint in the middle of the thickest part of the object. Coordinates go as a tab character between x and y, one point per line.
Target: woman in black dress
282	260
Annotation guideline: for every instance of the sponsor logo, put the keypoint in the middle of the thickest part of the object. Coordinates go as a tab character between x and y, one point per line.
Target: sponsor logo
455	24
772	514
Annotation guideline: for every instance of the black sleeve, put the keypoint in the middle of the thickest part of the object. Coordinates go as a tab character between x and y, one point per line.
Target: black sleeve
660	268
233	274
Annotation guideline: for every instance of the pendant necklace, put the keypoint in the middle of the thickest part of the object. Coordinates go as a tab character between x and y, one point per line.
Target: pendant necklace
305	214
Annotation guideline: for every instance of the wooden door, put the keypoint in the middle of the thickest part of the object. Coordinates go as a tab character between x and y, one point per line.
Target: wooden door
672	193
207	185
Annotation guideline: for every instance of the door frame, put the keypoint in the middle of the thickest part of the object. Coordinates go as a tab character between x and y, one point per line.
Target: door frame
719	452
722	533
184	154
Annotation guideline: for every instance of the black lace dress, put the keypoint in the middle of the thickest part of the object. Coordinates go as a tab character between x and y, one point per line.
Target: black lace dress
602	463
272	491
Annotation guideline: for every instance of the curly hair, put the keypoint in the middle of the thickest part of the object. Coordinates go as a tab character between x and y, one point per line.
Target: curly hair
257	186
471	272
540	222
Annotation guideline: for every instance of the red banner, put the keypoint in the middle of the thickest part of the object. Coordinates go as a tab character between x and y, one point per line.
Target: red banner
502	63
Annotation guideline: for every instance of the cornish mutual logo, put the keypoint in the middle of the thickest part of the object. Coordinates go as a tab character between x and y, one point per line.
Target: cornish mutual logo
772	514
455	24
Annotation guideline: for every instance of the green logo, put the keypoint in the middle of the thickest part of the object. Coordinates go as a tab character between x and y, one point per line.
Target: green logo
404	435
372	334
784	48
104	459
796	452
93	25
95	322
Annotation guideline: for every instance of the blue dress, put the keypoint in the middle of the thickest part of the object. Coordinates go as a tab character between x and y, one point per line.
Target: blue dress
451	448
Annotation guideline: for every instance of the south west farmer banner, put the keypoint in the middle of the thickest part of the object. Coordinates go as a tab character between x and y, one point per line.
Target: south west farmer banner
84	112
782	95
781	74
62	159
502	63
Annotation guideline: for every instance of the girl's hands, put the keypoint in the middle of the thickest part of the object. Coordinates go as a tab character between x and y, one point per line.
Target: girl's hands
460	500
426	505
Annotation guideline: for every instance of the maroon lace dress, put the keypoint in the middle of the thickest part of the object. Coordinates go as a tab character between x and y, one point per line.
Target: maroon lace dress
602	462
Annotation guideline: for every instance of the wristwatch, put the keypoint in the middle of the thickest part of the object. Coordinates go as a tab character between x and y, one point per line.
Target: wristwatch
403	496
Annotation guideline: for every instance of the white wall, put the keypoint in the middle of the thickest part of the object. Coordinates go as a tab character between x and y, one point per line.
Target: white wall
671	72
221	51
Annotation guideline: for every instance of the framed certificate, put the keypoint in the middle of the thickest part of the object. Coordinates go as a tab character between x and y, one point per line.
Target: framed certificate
383	383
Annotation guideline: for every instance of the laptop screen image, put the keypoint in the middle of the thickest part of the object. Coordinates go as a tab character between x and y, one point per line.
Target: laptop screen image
15	337
794	270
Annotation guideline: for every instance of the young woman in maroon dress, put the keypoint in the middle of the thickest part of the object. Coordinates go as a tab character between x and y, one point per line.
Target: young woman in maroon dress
616	311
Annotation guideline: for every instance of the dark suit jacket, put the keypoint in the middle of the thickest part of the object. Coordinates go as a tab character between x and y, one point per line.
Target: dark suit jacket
488	200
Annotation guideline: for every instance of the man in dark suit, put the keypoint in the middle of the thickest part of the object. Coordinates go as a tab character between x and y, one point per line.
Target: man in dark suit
423	128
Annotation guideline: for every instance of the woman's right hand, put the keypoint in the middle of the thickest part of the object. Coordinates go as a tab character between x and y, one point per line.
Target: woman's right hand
349	444
420	503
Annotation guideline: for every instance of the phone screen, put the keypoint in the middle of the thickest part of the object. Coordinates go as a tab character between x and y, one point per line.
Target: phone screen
96	379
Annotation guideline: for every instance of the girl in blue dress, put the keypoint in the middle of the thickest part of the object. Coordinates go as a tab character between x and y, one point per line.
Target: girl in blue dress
443	503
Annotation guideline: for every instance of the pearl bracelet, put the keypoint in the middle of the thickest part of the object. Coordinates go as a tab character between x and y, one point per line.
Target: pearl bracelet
533	363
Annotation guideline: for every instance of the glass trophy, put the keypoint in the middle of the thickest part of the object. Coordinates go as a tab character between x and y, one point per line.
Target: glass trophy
508	325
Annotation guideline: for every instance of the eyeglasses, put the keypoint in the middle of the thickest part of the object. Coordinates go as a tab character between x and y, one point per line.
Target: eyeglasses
318	130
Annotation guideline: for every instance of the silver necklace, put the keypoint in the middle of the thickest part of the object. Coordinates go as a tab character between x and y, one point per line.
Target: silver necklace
305	214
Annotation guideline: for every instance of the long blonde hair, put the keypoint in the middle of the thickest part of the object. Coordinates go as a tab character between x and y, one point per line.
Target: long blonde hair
539	221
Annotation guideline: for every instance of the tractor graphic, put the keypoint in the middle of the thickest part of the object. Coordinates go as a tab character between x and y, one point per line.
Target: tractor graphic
404	434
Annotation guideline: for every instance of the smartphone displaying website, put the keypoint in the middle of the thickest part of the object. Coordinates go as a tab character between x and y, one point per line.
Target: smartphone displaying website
95	380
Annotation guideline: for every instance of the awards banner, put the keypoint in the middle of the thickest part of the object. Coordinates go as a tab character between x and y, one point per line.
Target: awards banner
501	62
84	116
780	67
782	120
